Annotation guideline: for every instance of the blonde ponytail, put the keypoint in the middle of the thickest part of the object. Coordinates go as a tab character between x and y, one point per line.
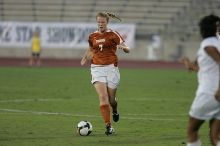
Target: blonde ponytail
108	15
113	16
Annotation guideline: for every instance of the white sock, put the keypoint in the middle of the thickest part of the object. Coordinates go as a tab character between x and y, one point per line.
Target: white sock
196	143
218	143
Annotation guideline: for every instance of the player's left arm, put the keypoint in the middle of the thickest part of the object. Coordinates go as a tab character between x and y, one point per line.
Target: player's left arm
215	55
217	94
124	47
120	42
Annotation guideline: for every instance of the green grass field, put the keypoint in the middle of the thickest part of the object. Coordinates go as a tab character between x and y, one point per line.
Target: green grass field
42	106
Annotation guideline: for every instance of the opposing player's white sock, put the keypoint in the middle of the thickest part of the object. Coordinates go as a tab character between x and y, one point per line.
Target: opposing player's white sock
218	143
196	143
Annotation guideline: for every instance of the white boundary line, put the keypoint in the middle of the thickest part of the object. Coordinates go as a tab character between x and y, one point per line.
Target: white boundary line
61	99
80	115
46	113
177	115
30	100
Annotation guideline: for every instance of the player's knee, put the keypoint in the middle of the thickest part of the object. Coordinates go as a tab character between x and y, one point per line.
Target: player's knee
192	130
103	99
214	136
113	103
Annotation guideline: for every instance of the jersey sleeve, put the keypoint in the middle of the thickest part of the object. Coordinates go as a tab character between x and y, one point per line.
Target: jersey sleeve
118	38
217	44
90	41
211	42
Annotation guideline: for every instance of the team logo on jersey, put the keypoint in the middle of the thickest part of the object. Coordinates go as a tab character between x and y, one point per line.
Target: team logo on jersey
100	41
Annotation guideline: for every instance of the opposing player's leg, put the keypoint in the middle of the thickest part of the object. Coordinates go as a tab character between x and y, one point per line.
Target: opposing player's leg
192	131
101	90
204	107
113	103
215	132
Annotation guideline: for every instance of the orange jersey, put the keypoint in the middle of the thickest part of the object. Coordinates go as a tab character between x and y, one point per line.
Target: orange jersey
104	46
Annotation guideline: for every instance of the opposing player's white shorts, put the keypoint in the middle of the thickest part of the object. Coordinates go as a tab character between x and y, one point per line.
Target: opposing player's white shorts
205	107
108	74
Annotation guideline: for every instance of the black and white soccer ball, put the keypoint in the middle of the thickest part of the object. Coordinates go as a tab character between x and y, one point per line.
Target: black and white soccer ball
84	128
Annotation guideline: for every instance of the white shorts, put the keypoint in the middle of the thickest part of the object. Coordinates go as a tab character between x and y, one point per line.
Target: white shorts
108	74
205	107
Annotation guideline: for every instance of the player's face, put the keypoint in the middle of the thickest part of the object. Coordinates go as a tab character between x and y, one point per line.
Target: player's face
102	24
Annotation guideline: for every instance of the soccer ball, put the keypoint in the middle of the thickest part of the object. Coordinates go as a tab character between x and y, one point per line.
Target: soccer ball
84	128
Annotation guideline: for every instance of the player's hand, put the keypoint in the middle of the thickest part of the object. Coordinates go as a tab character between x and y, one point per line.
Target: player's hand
83	61
217	95
87	56
188	64
124	48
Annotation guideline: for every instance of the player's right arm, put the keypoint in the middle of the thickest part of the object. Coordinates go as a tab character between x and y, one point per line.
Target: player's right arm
190	65
87	56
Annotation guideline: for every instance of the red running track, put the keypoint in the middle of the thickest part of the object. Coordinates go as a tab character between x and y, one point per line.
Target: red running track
23	62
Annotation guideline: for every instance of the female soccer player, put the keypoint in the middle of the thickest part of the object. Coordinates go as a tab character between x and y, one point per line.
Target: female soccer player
206	105
105	74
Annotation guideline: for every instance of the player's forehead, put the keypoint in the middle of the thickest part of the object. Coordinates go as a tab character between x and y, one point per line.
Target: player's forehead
101	19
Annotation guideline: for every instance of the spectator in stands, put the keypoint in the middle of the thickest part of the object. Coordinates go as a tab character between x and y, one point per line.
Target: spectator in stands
179	49
105	74
154	48
206	105
35	50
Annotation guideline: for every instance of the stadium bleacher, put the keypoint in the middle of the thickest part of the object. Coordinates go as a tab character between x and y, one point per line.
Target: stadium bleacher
167	18
150	16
